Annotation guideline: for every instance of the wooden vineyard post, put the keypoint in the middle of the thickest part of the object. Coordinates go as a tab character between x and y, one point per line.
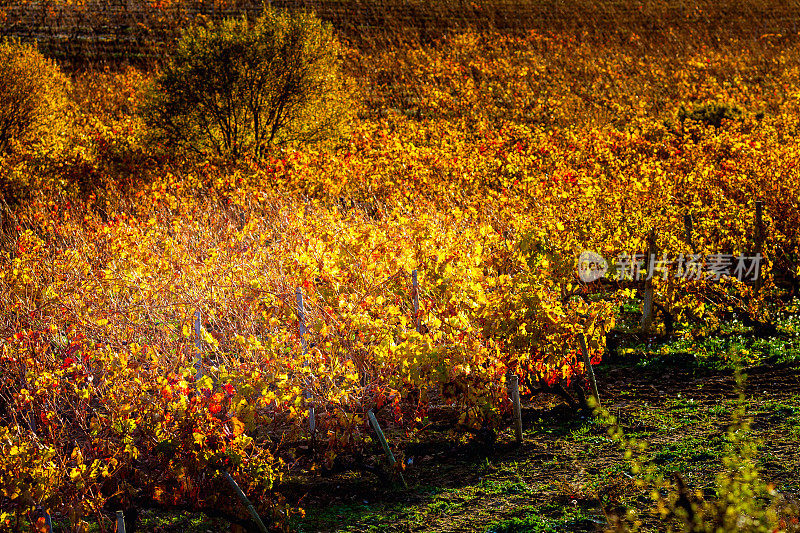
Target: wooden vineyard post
687	230
647	307
245	501
120	522
384	443
512	383
588	364
415	298
30	418
301	320
198	345
759	237
688	238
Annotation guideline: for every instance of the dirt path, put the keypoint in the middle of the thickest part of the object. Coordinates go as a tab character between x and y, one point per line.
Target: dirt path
567	475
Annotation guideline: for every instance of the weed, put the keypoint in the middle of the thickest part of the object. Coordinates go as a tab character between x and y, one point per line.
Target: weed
573	518
742	502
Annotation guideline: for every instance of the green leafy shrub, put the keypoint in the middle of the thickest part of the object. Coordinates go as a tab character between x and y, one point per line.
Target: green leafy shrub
240	88
742	500
710	113
33	99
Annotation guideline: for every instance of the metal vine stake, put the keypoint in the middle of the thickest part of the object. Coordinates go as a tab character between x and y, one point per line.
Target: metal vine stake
301	319
198	345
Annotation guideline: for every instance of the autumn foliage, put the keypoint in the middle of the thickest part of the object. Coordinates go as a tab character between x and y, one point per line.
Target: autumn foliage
33	98
241	88
485	162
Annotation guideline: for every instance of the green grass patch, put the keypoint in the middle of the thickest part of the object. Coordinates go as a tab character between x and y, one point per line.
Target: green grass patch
572	519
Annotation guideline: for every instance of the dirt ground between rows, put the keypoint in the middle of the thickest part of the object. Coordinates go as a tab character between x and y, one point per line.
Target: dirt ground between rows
566	466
